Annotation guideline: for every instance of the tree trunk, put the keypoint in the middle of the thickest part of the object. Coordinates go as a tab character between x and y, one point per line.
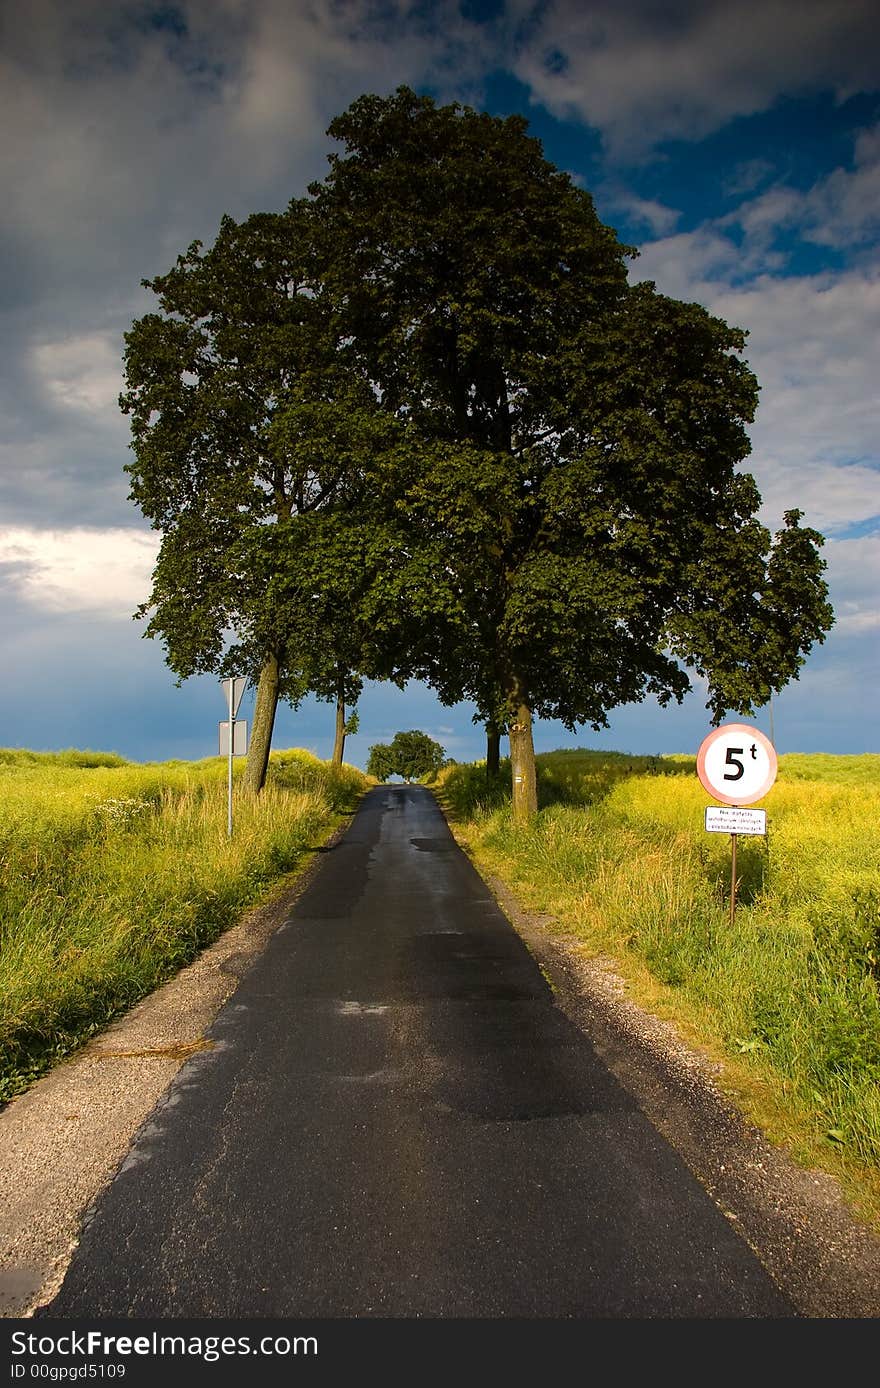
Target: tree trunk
339	742
522	756
493	749
264	722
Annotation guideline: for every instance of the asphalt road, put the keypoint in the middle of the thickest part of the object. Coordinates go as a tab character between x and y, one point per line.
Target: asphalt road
395	1120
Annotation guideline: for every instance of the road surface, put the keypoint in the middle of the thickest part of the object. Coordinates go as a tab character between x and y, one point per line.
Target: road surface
395	1120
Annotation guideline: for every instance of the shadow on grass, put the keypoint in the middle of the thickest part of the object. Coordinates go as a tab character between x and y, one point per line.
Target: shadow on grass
752	870
569	777
581	779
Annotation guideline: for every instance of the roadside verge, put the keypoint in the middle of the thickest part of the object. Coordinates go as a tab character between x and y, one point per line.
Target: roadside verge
62	1141
795	1220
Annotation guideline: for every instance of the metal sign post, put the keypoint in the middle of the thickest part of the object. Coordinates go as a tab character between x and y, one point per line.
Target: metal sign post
233	689
737	764
231	692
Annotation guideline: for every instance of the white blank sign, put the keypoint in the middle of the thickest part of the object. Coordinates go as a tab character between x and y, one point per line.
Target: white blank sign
239	738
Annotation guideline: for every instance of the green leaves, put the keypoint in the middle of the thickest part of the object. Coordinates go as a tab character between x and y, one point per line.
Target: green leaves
412	755
253	448
753	610
573	441
419	424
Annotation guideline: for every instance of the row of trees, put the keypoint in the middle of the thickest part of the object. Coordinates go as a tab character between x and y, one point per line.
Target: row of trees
411	755
421	425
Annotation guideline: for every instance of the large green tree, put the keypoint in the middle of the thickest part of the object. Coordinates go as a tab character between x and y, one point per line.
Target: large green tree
252	447
422	424
571	524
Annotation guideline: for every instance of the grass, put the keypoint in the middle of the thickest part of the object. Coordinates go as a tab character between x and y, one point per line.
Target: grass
789	997
113	875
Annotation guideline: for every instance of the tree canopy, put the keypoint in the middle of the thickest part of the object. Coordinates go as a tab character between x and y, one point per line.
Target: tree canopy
253	447
572	439
423	425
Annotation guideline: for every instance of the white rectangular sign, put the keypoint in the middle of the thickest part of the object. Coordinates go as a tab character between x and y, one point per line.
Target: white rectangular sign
239	738
734	819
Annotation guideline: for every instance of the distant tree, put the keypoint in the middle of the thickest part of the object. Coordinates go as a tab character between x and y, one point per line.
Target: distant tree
412	755
415	754
380	762
571	521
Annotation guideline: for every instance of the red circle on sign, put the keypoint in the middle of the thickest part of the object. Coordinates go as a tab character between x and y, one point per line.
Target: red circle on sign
729	733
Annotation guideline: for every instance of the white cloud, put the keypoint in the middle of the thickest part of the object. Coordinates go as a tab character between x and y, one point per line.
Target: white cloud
694	263
814	344
841	209
101	115
644	73
854	576
105	572
81	373
833	498
656	215
747	176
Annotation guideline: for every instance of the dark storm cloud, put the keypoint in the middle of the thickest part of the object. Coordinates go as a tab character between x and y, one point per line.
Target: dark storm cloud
129	130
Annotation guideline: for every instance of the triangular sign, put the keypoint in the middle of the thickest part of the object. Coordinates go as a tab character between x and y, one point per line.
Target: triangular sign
239	684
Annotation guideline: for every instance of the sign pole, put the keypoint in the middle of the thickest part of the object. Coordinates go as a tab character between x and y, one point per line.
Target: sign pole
732	877
229	777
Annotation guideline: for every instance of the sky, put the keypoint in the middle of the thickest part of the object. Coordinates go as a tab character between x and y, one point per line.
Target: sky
737	146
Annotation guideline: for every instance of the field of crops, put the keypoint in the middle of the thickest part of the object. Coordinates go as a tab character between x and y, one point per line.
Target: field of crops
790	995
113	875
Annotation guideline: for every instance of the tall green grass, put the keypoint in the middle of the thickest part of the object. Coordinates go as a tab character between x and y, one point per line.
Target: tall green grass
113	875
620	855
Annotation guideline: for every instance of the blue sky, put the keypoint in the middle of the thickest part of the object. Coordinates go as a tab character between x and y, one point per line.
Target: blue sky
737	146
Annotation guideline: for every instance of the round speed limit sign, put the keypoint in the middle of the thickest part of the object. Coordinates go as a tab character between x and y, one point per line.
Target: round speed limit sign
737	764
